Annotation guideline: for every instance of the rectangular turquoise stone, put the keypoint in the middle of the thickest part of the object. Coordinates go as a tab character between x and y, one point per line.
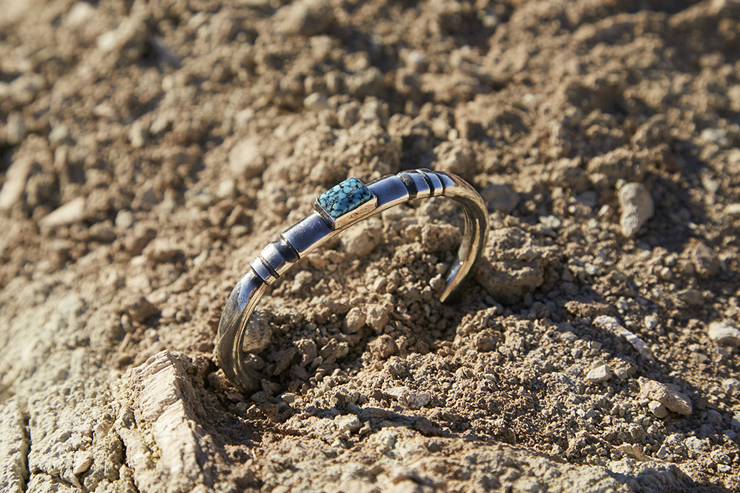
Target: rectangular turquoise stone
345	197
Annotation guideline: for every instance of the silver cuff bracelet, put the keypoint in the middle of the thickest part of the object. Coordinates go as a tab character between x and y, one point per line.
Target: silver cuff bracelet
337	209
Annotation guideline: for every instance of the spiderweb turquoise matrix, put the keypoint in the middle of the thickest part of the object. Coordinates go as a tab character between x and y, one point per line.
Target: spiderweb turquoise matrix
346	196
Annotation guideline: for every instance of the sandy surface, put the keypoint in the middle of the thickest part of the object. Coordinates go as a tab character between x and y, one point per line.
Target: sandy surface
148	150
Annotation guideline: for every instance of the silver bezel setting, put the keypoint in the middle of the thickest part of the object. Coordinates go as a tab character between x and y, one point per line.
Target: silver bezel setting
348	218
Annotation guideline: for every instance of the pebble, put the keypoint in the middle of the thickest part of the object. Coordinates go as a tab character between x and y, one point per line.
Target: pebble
316	102
354	321
226	189
376	317
258	334
658	409
15	183
637	207
23	90
245	159
69	213
612	324
408	398
60	133
724	333
82	463
140	308
500	197
663	452
347	423
705	260
162	250
599	374
732	210
667	394
731	386
695	446
383	346
137	135
361	240
15	129
348	114
79	14
305	17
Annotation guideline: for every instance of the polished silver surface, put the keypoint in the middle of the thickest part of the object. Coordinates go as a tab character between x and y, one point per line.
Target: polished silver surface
437	188
275	259
235	331
420	188
306	234
260	268
390	191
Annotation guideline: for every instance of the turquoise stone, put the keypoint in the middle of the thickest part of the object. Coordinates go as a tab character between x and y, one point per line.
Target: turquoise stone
347	196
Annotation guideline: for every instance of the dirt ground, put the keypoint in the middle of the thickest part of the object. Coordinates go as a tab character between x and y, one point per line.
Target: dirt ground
148	151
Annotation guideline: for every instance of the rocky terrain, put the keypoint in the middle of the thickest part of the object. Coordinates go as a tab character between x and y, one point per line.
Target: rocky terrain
148	150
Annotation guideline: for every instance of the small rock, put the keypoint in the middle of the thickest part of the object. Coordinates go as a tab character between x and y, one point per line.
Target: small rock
307	349
137	135
691	296
137	240
637	207
15	129
354	321
140	308
15	183
658	409
705	260
714	418
69	213
362	239
376	317
102	232
458	157
258	334
348	114
79	14
500	197
305	17
283	359
485	341
316	102
60	133
695	446
82	463
731	386
668	394
732	210
288	397
651	322
127	41
245	159
162	250
724	333
226	189
333	350
347	423
383	346
599	374
146	197
663	452
23	90
409	399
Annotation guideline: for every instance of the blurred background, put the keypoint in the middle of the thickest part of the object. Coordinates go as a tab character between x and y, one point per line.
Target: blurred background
149	149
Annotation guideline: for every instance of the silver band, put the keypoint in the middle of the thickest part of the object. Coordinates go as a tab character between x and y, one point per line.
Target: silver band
320	227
